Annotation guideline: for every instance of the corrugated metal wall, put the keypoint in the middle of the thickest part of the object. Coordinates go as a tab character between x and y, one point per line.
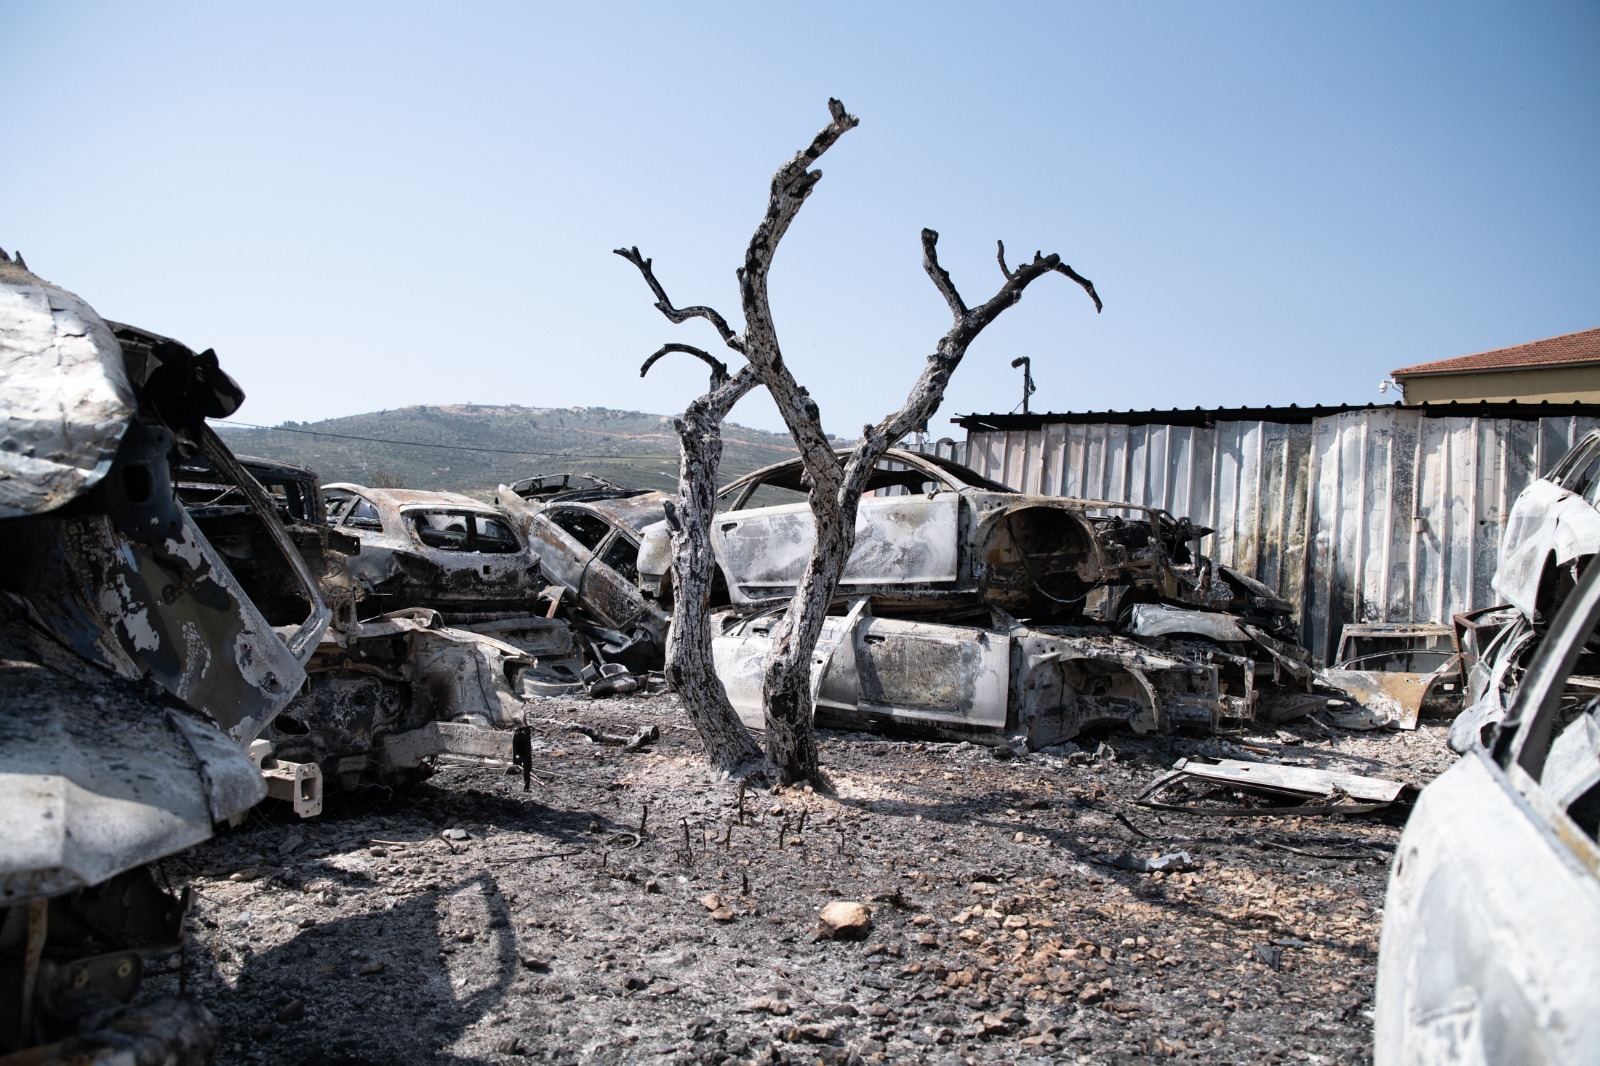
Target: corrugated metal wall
1370	515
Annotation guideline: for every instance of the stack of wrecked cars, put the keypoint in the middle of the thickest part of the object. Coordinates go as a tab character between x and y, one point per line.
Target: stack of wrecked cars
966	610
138	668
181	638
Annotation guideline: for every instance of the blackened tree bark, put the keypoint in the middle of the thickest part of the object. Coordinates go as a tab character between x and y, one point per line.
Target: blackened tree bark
689	667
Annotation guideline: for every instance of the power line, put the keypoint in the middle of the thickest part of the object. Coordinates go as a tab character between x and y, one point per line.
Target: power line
420	444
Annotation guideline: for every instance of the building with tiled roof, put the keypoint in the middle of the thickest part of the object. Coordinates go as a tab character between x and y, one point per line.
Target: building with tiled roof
1558	369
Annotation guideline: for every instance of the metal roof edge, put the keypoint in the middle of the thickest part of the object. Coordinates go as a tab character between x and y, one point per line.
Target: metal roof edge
1292	414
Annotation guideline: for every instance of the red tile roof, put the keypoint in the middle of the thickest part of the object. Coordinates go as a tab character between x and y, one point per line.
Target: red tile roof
1568	349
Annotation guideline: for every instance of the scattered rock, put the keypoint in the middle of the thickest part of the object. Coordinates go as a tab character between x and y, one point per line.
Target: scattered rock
292	1011
845	920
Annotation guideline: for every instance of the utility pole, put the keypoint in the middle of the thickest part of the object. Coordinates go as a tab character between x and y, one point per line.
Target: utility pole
1027	379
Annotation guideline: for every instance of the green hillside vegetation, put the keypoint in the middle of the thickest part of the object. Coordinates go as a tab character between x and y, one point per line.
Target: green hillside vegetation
472	448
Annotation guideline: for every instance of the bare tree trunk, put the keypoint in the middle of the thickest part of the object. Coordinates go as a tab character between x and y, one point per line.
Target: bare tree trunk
690	669
836	483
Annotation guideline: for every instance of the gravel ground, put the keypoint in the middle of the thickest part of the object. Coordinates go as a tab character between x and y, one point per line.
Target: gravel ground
465	921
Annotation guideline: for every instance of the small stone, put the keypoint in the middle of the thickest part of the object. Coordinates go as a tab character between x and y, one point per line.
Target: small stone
770	1005
845	920
815	1032
455	834
652	886
711	901
722	914
927	940
367	969
534	962
292	1011
466	936
249	873
633	982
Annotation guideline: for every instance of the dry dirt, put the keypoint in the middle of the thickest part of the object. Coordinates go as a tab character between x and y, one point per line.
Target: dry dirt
465	921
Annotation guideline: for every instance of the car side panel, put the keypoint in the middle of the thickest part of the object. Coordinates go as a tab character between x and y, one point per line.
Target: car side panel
1491	933
900	540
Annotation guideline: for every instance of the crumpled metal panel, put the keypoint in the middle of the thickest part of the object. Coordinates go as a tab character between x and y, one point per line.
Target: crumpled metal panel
900	540
68	400
1378	515
171	611
97	776
1547	523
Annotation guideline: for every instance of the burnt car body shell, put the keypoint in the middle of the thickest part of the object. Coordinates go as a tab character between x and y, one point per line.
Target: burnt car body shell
936	536
134	665
461	572
587	540
991	683
1490	949
1553	528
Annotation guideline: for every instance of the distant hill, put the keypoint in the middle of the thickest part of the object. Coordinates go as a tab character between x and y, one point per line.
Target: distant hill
472	448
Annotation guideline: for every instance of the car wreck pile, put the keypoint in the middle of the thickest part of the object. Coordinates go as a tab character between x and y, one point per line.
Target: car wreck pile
181	638
186	632
968	610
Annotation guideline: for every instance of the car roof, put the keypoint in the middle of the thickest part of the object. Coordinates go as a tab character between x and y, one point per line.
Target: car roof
253	463
635	511
413	497
933	465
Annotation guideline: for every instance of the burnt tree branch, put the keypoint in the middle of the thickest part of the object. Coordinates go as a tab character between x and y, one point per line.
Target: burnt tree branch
719	369
677	316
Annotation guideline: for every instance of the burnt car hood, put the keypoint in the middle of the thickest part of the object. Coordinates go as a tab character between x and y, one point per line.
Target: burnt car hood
68	400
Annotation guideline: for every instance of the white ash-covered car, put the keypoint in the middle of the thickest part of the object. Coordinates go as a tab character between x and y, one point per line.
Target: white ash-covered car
1553	530
935	536
437	550
586	533
1490	949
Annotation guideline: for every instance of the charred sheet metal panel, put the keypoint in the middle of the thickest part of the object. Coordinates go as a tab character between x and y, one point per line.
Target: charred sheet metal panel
68	400
99	775
1490	949
899	540
1383	514
947	677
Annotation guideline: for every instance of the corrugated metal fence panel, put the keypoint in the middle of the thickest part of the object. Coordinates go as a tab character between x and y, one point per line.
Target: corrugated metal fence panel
1377	515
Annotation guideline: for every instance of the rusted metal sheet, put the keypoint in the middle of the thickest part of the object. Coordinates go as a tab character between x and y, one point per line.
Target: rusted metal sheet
1383	514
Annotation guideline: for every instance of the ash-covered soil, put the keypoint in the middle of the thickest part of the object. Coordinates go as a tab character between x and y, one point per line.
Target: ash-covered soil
465	921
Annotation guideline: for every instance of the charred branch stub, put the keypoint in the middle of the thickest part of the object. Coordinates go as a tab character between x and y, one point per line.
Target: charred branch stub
689	665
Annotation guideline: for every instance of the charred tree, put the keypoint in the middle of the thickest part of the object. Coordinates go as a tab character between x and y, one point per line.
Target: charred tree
689	667
837	484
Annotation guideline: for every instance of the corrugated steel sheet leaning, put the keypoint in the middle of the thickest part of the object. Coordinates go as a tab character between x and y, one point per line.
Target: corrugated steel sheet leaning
1371	514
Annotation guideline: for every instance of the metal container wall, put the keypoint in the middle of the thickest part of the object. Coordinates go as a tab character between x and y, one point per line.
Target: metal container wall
1380	514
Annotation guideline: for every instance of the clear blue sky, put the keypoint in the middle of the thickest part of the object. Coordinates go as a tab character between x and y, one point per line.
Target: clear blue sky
368	206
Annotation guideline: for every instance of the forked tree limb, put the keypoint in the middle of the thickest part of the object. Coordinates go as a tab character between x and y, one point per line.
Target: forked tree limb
676	315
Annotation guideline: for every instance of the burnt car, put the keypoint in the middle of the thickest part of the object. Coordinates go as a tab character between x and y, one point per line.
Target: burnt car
936	536
1553	530
137	662
587	532
435	550
1490	950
